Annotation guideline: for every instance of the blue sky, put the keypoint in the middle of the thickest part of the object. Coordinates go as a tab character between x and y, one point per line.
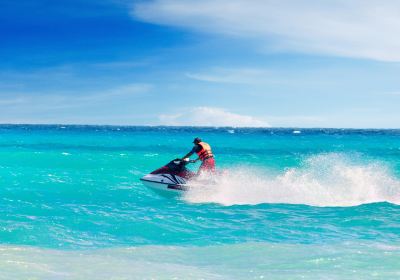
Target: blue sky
288	63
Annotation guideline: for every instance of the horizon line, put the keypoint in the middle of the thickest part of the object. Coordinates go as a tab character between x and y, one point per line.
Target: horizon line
195	126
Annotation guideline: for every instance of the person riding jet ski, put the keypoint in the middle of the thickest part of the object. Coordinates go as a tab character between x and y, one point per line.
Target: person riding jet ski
203	150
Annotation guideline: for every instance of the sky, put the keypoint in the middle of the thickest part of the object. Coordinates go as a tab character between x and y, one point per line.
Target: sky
259	63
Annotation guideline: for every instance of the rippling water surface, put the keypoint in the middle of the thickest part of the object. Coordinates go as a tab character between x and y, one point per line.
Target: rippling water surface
319	204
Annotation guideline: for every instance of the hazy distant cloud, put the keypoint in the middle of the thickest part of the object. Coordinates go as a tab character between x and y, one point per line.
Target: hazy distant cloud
296	120
210	116
357	28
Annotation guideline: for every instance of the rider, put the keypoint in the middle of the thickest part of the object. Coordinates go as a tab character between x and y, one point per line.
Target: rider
203	150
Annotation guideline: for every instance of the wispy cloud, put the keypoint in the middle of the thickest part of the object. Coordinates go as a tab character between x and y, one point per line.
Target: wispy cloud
232	76
358	28
116	92
12	101
71	107
119	64
211	116
393	93
72	99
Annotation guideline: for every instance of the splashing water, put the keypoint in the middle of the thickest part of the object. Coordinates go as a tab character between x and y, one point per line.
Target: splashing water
322	180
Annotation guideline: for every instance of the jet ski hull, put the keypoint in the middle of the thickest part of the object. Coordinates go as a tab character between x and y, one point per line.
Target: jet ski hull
165	182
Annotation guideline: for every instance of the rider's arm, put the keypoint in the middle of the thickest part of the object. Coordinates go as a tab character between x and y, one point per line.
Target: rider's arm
194	150
188	154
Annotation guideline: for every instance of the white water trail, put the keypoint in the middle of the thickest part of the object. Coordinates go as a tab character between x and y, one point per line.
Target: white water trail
322	180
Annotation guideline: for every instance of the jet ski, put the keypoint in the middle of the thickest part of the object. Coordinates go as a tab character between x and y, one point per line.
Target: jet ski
172	177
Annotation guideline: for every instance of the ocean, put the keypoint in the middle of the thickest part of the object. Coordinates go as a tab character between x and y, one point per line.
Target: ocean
287	204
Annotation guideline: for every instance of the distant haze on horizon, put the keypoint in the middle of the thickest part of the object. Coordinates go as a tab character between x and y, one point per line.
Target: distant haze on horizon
229	63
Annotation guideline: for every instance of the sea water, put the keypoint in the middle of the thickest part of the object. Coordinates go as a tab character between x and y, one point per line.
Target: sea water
286	204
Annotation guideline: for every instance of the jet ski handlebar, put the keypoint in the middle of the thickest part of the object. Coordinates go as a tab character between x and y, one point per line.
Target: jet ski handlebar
187	160
184	161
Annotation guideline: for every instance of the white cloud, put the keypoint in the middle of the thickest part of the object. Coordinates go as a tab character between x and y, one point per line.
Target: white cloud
210	116
357	28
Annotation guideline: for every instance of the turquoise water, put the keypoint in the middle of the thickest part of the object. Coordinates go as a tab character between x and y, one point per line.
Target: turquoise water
319	204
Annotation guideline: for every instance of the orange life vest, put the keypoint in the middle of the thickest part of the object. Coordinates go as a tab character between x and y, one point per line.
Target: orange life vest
205	151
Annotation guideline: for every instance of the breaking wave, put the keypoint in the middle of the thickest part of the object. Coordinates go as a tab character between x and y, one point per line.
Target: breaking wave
321	180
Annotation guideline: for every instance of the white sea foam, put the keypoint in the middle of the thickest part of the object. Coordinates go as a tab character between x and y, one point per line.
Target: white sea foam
322	180
151	155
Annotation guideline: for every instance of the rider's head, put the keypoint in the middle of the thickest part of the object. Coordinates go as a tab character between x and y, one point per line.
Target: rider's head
196	140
